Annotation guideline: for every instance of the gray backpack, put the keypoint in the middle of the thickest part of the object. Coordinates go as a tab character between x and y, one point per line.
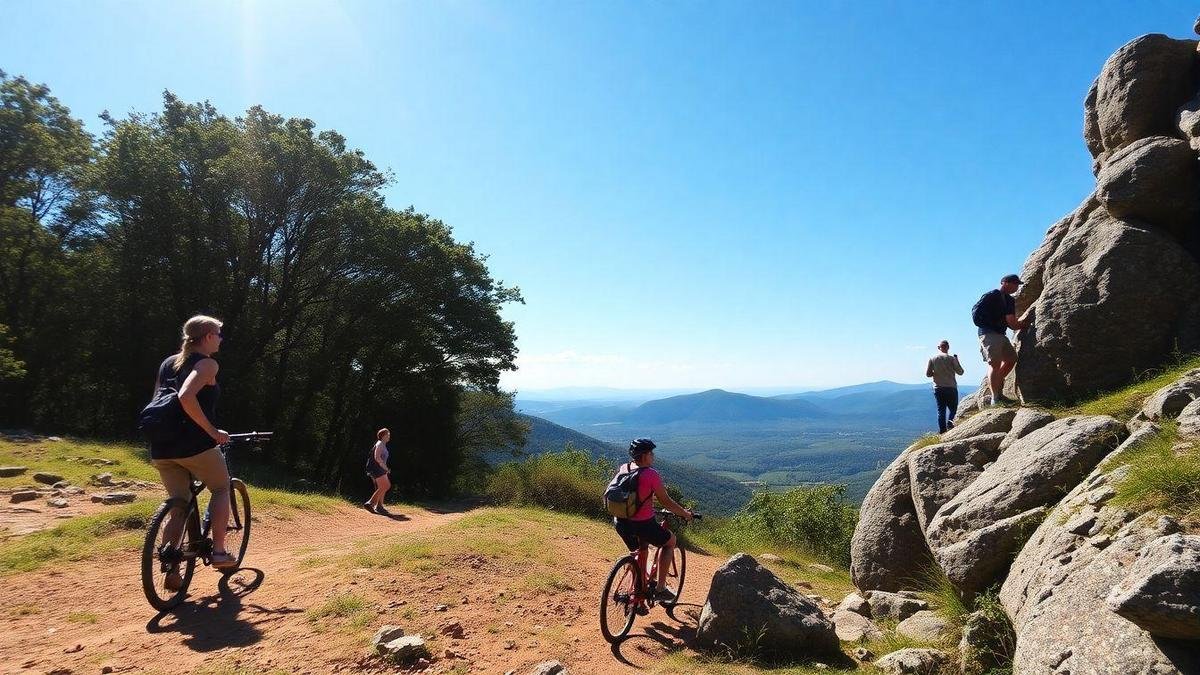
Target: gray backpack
621	495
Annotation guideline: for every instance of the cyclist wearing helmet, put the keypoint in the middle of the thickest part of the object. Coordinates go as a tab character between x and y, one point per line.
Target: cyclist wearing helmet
643	529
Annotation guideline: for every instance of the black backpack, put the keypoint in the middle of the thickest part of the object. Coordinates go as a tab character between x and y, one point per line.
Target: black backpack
979	310
163	419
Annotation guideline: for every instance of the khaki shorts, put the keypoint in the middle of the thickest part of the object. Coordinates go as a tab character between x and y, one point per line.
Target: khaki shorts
208	467
995	347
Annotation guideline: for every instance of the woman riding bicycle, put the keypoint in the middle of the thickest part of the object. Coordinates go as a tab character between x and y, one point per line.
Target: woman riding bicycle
643	529
195	452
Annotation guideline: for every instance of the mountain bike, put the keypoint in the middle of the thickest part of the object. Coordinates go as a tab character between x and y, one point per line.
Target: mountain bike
630	590
178	536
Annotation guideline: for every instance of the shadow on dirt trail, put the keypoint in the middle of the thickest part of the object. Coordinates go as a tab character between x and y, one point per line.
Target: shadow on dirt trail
216	621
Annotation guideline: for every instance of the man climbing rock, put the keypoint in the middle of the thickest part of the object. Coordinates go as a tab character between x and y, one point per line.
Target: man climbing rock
994	314
943	367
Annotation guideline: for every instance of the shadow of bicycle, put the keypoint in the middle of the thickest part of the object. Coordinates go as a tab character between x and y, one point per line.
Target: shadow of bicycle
641	649
215	621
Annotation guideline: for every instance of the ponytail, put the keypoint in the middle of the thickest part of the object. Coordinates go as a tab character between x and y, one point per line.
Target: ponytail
194	330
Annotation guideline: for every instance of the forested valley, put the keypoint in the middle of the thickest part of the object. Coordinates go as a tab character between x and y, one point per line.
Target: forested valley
342	314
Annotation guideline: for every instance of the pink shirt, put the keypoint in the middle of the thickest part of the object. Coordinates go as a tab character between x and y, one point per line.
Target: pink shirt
648	481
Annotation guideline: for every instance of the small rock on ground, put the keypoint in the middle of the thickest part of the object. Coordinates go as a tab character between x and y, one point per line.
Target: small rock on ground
911	662
405	649
386	634
10	471
23	496
58	503
550	668
47	478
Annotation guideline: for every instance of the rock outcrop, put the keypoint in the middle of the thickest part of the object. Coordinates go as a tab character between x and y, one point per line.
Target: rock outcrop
1094	577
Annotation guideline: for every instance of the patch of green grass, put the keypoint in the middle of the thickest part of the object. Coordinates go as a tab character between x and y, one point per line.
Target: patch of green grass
83	617
342	606
78	538
684	661
926	441
1161	480
276	500
547	582
24	610
69	459
944	598
1124	403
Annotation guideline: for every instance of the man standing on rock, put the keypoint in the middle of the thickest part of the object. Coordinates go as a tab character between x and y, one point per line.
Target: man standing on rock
943	367
994	314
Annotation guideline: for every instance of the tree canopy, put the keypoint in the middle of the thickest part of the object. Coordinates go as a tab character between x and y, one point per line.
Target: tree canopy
342	315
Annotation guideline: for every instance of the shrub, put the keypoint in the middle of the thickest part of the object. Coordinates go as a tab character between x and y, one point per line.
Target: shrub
812	519
569	481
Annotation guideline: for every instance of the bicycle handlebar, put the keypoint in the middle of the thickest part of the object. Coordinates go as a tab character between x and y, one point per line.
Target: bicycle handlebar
252	436
665	512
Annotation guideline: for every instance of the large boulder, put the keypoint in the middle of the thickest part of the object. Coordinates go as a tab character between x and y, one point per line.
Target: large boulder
1161	592
1057	586
940	471
745	596
1140	89
1155	180
1118	298
888	550
1188	122
975	534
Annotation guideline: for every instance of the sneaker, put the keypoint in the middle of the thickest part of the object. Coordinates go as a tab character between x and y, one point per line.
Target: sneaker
382	511
664	595
949	425
369	506
223	561
1004	400
173	582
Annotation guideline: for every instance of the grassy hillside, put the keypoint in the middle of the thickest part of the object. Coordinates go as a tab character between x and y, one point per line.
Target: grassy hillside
713	493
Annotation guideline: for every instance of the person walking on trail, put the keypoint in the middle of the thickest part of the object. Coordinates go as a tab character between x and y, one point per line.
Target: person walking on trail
994	314
943	367
643	529
378	471
196	451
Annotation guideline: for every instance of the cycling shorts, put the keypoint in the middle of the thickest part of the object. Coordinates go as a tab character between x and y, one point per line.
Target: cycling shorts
638	533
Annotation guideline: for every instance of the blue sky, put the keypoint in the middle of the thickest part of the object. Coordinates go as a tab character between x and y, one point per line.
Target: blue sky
690	195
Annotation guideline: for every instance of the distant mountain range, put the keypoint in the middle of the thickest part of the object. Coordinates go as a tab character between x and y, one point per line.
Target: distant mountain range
885	399
843	435
713	493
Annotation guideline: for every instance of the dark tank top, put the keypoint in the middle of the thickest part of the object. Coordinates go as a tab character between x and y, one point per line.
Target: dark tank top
194	440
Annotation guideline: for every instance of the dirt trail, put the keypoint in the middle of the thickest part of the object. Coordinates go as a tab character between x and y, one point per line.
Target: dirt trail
85	616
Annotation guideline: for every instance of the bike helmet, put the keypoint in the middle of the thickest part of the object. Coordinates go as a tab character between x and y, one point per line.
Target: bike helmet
640	446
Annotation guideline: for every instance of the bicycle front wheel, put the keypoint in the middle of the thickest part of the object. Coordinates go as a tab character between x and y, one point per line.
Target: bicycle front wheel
169	553
676	572
237	533
618	603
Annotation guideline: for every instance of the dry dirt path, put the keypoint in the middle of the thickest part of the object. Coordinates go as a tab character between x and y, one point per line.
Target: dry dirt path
88	616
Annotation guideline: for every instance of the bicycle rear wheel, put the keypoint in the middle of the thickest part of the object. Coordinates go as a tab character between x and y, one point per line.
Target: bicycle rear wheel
237	534
618	603
163	557
676	573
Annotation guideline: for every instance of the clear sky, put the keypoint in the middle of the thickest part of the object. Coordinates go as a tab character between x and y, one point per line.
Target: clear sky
689	194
